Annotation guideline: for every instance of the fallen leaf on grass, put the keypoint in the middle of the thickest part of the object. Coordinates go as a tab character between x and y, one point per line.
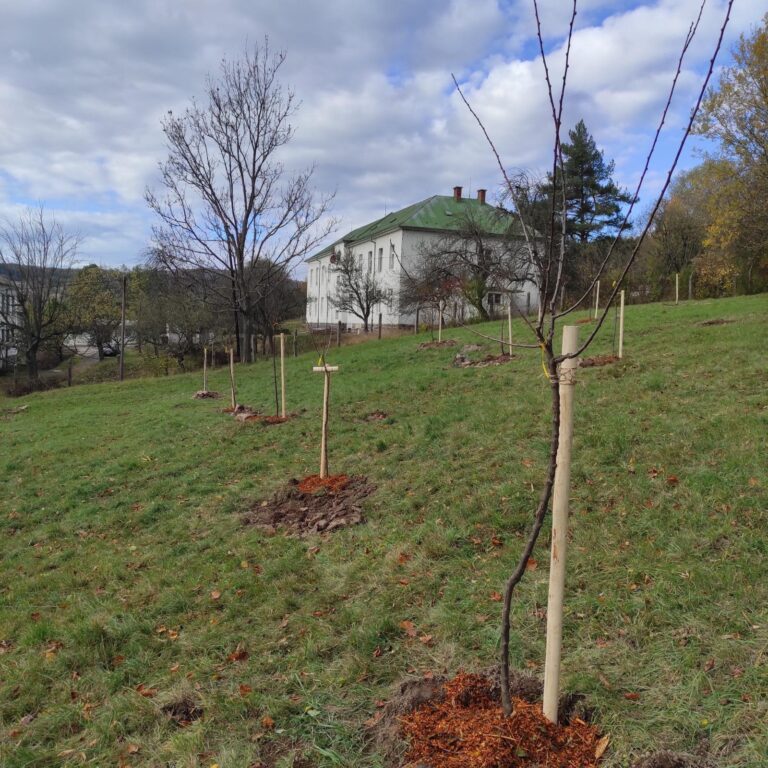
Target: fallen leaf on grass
632	696
404	582
496	597
426	640
408	627
497	542
672	480
215	594
267	722
239	654
377	652
601	746
147	693
244	689
403	558
132	749
531	565
709	665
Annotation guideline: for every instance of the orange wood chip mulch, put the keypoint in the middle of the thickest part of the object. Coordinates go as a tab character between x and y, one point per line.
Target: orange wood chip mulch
468	729
598	360
331	483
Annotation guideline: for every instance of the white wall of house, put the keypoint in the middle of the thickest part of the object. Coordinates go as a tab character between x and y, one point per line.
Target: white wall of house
8	304
391	257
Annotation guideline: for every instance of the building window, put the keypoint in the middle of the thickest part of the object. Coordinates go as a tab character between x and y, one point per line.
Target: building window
391	255
359	262
370	261
381	259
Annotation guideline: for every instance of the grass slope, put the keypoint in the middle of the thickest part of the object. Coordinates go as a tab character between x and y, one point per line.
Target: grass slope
120	522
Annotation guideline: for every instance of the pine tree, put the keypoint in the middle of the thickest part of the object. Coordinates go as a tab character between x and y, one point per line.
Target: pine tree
593	200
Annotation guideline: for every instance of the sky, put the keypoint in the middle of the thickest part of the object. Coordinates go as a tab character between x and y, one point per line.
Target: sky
84	87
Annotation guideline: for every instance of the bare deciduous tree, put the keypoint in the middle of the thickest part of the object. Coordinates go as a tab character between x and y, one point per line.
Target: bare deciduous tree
552	260
36	254
229	206
357	290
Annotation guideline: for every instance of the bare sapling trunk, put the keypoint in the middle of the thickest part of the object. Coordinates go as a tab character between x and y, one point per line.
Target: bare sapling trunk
597	299
560	501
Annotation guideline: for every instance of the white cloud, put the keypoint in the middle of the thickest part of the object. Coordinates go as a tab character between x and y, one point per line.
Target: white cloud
83	87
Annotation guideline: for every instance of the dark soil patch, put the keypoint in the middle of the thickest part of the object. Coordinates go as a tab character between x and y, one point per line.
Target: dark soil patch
302	513
460	724
437	344
598	360
716	321
376	416
462	361
254	417
206	394
183	711
329	483
666	759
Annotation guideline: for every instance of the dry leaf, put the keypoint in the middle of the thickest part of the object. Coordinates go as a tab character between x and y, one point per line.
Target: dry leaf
377	652
426	639
174	667
244	689
403	558
496	597
239	654
215	594
148	693
709	665
601	746
672	480
531	565
408	627
267	722
632	696
132	749
497	542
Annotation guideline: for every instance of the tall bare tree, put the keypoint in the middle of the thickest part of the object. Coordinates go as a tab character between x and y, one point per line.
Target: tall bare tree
552	260
36	255
358	290
228	204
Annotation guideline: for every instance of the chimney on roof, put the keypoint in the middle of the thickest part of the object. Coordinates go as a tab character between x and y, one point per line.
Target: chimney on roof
457	194
481	196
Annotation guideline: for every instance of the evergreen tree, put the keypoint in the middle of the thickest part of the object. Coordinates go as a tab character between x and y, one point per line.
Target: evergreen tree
593	200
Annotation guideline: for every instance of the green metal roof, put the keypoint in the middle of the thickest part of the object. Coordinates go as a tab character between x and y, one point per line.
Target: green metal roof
441	213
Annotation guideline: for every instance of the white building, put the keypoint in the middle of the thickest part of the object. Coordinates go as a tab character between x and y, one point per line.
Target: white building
391	248
8	309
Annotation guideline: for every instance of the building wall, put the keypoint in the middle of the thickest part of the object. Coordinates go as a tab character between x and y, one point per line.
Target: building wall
8	304
400	253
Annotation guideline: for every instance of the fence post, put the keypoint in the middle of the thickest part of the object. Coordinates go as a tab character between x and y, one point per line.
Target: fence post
282	373
567	376
621	326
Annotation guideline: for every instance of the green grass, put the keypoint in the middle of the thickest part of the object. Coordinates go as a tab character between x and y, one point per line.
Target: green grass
120	513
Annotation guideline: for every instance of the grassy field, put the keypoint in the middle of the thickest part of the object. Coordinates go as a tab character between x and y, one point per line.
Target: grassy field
133	597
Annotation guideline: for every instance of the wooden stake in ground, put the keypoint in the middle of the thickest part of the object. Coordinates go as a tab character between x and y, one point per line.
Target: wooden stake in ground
232	377
282	374
327	370
677	287
597	298
379	326
205	369
338	333
122	329
439	323
621	325
509	324
295	342
560	526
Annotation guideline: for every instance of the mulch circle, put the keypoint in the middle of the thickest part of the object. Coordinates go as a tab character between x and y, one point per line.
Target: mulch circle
206	394
716	321
468	729
437	344
598	360
312	505
462	361
377	416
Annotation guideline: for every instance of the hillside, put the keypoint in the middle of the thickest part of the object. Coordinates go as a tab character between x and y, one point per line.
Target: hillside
142	623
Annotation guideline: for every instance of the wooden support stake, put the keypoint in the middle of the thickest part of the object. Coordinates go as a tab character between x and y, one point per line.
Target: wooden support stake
122	329
205	369
677	287
439	323
509	324
690	286
597	298
282	374
232	377
338	333
379	325
567	375
69	373
621	326
327	370
416	323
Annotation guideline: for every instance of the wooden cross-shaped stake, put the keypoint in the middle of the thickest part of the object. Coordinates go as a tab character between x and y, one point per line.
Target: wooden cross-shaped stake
327	370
